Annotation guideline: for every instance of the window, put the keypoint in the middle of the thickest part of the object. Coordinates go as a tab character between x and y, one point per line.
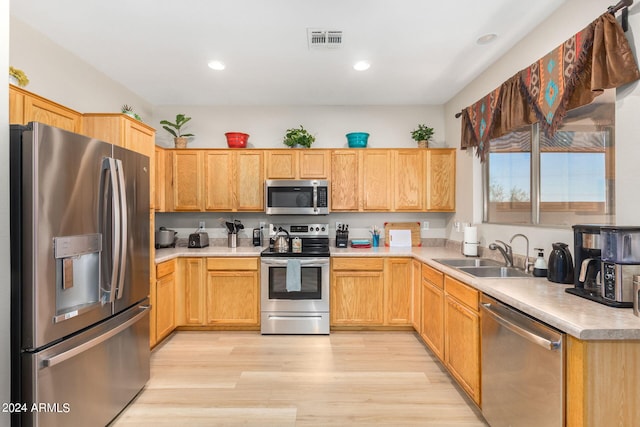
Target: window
559	181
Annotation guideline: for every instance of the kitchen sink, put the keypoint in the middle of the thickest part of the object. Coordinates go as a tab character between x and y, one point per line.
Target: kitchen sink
494	272
469	262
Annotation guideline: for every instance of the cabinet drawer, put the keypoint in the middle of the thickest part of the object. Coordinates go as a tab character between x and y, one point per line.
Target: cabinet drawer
165	268
230	263
463	293
432	275
358	264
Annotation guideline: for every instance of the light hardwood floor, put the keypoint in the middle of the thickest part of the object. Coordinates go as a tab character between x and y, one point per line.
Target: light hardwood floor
346	378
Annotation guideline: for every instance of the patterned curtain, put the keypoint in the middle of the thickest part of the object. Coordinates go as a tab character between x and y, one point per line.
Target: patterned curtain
571	75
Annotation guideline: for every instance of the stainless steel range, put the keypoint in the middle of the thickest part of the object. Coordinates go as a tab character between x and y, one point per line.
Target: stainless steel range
294	280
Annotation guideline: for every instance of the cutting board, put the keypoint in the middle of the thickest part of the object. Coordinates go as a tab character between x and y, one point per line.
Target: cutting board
414	227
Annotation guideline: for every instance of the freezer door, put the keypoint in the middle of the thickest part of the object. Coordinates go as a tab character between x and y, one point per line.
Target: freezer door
88	379
56	242
134	283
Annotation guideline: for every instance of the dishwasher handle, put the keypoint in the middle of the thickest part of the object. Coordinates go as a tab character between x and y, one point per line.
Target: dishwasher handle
524	333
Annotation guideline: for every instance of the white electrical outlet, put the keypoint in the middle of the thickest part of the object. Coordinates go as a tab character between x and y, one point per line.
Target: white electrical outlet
425	225
338	225
263	225
201	225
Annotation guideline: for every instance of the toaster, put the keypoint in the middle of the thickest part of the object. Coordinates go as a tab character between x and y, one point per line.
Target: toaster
199	239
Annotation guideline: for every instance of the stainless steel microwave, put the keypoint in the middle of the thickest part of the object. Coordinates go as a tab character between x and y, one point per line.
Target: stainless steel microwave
296	197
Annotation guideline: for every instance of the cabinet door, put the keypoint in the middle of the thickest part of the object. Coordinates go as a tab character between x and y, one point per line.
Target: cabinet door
218	180
314	164
38	109
233	298
376	180
345	194
249	188
462	345
142	139
160	172
416	295
441	180
409	166
432	319
191	295
281	164
357	298
398	286
16	106
165	306
187	180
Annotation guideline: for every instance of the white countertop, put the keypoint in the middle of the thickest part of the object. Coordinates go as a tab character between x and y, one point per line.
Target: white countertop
537	297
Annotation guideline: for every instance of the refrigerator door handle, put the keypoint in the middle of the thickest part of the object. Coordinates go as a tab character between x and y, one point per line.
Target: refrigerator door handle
59	358
110	165
124	230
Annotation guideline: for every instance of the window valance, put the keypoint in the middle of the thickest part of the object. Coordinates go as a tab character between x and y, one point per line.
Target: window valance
596	58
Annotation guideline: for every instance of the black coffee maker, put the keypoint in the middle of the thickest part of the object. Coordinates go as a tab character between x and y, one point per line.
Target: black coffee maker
588	251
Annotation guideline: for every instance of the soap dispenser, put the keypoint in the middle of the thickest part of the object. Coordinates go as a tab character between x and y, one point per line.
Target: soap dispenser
540	266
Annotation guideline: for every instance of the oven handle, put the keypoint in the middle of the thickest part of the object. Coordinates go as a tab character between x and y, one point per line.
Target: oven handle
303	262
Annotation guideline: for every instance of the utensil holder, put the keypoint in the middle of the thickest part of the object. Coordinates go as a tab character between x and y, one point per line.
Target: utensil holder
376	240
232	240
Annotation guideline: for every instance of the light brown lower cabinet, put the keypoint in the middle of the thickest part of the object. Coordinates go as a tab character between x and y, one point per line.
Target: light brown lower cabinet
416	295
432	302
462	335
371	291
165	299
221	291
233	291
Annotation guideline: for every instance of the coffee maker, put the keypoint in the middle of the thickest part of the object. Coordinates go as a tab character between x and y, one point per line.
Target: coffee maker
587	250
620	262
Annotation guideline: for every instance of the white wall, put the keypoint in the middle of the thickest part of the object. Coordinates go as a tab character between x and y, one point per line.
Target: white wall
60	76
5	270
566	21
387	126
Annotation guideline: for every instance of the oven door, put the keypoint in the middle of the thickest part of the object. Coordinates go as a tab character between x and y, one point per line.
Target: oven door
314	285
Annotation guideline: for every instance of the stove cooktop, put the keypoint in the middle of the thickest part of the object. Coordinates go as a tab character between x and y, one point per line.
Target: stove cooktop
315	240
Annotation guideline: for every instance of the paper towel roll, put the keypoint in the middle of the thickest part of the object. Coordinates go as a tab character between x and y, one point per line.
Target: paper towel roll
470	242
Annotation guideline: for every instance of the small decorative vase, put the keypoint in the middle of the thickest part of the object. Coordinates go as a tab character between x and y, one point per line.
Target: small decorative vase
423	144
181	142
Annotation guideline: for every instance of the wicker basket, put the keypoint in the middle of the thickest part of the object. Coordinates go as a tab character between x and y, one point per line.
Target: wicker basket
423	144
181	142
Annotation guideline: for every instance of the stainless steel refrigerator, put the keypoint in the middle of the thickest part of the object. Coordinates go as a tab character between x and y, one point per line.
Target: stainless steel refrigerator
79	277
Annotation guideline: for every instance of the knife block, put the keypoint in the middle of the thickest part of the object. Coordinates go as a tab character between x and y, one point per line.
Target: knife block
342	239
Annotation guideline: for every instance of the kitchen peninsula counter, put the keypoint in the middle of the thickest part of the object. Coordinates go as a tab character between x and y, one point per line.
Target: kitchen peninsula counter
537	297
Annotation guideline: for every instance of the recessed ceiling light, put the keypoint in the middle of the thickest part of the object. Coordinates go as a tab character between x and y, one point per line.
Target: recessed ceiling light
361	65
216	65
487	38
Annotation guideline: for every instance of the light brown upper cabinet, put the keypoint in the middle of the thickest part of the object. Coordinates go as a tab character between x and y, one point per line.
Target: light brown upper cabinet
297	164
25	107
441	180
409	180
377	175
345	187
215	180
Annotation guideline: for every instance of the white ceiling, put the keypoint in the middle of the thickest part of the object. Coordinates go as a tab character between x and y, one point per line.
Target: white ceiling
421	51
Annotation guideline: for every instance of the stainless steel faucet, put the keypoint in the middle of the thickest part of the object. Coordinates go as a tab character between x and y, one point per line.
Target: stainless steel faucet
506	252
527	263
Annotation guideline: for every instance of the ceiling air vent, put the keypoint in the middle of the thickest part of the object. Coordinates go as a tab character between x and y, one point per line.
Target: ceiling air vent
324	39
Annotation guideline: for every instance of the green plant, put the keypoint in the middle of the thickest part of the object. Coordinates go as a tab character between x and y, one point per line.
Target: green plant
422	133
127	109
19	75
174	128
299	137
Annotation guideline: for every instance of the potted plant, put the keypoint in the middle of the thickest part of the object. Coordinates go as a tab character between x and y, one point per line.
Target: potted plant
17	77
128	110
422	135
298	138
175	130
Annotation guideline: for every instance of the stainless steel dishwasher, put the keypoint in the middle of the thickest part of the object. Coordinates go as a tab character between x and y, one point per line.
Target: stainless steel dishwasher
522	368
